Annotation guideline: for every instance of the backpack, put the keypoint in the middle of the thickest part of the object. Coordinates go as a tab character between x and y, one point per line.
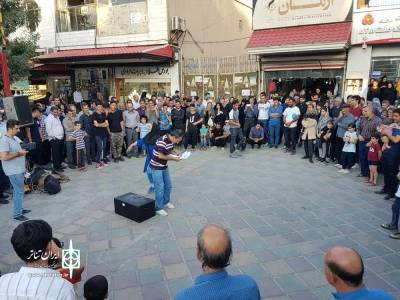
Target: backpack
52	185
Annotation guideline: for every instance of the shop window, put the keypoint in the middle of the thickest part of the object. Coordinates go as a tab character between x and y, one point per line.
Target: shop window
376	3
75	15
388	67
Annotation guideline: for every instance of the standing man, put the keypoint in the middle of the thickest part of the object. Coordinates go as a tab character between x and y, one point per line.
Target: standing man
263	117
68	124
86	121
302	105
131	120
178	118
116	130
250	113
236	132
342	122
365	130
192	121
34	134
142	108
55	133
78	97
290	117
275	121
158	168
13	162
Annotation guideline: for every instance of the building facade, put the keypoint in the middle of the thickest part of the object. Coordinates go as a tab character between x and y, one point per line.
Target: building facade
301	44
375	39
95	41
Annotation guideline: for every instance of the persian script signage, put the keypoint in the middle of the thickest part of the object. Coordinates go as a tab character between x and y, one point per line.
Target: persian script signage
147	72
378	27
288	13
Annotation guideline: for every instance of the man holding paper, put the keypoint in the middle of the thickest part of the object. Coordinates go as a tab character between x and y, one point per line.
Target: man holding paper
162	153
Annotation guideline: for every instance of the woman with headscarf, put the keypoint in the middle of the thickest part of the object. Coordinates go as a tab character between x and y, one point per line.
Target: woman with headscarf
321	131
374	91
389	93
149	141
376	104
309	132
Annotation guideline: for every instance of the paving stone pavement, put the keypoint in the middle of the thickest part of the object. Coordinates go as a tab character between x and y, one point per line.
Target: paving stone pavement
282	213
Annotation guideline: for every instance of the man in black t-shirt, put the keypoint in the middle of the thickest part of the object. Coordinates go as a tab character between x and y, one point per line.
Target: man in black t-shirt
192	120
218	138
100	124
116	130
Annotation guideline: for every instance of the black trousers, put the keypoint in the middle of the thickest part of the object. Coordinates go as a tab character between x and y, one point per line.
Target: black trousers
390	168
309	147
290	138
90	145
338	149
248	124
80	158
46	152
191	137
219	142
57	151
260	142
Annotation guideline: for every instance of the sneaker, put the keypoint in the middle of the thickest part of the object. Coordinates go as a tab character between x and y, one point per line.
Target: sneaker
169	205
284	147
151	190
129	157
89	162
4	196
21	219
341	171
293	153
121	159
72	167
238	153
338	165
276	146
266	145
162	213
356	166
346	171
99	166
233	155
64	165
104	163
116	160
271	146
252	146
26	211
213	147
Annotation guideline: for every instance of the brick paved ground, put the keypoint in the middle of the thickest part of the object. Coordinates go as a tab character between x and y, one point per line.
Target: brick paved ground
282	212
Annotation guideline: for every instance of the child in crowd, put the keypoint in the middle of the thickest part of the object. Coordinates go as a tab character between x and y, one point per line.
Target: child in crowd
144	130
76	274
203	137
374	156
227	128
349	149
78	136
96	288
328	137
385	125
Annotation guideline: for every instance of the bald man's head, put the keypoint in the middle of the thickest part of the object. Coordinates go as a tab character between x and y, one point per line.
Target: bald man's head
214	247
344	264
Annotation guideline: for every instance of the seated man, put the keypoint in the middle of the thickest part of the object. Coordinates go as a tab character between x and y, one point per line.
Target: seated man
214	251
218	138
344	270
32	241
256	136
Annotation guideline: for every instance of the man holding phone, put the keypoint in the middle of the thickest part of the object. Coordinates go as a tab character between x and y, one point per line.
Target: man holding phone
13	159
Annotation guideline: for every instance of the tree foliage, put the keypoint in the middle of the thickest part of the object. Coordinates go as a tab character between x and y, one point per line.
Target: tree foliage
20	49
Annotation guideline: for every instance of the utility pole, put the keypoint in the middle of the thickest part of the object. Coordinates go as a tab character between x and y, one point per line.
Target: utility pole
3	59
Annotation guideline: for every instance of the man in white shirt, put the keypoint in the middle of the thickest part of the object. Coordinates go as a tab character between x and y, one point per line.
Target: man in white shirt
32	242
290	117
55	133
263	117
78	97
135	102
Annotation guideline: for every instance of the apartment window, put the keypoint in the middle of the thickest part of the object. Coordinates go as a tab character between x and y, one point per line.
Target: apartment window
75	15
32	14
376	3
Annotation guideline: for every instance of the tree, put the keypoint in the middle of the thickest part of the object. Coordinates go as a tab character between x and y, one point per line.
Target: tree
21	47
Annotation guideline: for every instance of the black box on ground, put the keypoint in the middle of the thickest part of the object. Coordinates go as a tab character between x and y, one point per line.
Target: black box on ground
135	207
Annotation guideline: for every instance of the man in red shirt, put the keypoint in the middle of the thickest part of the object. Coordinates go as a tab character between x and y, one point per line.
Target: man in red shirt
355	108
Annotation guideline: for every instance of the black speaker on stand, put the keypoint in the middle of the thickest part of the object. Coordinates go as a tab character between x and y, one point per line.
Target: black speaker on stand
18	108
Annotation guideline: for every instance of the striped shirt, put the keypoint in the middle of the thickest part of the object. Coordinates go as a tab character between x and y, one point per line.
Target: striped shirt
368	127
43	127
163	146
35	284
80	135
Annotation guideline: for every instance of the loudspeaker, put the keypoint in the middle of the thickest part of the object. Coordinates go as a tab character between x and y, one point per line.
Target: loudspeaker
135	207
18	108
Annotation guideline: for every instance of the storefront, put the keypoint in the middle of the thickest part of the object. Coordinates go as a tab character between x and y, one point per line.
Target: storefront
375	48
306	47
153	80
86	78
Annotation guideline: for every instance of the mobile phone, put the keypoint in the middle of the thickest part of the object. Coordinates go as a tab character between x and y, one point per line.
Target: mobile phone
248	105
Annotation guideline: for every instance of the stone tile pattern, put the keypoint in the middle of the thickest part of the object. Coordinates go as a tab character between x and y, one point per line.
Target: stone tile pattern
282	214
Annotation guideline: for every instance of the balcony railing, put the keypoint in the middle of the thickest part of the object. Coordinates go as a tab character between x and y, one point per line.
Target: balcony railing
76	18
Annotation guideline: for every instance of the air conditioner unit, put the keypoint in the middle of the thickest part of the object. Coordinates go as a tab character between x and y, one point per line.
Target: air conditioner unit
175	23
48	50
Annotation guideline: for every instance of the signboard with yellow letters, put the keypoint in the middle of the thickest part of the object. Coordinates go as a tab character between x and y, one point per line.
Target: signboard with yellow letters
288	13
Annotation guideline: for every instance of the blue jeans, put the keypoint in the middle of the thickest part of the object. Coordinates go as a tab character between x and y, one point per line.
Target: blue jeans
274	130
17	182
203	144
149	174
163	185
101	144
266	129
363	153
395	213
